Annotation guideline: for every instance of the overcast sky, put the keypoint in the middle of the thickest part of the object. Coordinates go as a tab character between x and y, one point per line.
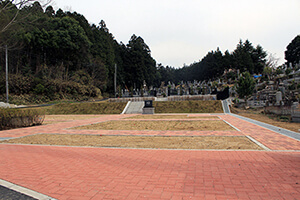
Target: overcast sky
181	32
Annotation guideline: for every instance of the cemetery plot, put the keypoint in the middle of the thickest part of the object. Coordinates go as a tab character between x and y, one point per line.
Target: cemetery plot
52	119
174	125
172	117
188	106
157	142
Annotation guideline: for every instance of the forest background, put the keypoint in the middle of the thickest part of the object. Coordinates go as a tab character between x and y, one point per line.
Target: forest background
57	55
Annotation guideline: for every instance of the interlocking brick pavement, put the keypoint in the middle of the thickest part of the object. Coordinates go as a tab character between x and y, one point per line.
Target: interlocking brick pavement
58	127
270	139
101	173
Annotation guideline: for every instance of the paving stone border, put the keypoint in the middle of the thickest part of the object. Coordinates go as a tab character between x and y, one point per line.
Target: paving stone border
5	138
20	192
276	129
258	143
8	194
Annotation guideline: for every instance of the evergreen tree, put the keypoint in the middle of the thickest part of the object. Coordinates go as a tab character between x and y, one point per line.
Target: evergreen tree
248	58
292	53
245	85
138	63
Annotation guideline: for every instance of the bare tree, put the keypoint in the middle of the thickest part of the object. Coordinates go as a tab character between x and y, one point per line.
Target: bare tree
272	61
271	65
15	6
10	15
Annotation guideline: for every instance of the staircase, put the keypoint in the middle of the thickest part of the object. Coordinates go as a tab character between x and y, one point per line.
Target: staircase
135	108
225	105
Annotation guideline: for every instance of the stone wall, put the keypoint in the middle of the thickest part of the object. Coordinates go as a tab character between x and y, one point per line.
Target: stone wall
278	110
170	98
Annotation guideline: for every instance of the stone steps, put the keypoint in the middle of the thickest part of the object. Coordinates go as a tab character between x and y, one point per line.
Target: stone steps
135	107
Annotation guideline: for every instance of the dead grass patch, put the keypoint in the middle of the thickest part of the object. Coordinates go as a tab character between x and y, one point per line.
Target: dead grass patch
188	106
157	142
95	108
163	125
172	117
52	119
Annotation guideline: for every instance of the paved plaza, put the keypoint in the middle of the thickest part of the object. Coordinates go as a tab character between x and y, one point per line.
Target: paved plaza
117	173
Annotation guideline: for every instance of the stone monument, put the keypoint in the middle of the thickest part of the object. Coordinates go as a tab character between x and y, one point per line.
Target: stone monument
148	107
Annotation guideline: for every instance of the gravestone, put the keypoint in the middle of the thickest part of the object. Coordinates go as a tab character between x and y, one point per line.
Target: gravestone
278	97
148	107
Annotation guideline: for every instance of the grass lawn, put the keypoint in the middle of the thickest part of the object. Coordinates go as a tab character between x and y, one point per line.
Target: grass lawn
174	125
157	142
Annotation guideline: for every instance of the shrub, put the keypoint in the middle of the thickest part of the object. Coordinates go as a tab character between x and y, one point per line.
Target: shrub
39	89
19	84
284	118
16	118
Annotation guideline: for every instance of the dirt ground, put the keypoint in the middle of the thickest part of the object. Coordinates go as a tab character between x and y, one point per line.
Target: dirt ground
172	117
257	114
163	125
157	142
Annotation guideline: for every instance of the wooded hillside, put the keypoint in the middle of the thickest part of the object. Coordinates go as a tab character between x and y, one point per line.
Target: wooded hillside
55	55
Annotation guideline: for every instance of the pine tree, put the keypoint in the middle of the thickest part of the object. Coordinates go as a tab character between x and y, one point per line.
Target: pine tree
245	85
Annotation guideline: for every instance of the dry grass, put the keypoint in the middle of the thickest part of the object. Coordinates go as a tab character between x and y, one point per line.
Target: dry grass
95	108
87	108
162	125
172	117
52	119
259	116
157	142
188	107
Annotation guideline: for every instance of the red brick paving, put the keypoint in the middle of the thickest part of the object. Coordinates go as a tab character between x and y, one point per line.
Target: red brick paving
99	173
271	139
58	127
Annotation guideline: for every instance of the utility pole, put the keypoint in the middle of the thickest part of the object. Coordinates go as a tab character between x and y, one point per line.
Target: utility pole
6	70
115	80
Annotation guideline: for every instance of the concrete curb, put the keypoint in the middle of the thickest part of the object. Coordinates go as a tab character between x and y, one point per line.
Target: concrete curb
276	129
258	143
5	138
25	191
126	107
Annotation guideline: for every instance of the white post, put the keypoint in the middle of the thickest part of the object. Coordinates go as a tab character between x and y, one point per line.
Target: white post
6	70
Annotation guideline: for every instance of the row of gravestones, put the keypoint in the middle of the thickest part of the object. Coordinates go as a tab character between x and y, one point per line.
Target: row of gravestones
166	92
